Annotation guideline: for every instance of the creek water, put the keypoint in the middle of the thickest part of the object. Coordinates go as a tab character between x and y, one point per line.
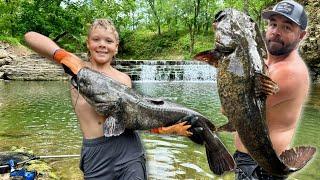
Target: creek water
39	117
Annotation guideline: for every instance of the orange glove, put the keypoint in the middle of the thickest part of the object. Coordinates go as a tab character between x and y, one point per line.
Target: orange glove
70	60
179	129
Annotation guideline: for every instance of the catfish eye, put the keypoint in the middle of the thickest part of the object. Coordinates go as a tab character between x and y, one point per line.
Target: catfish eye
219	16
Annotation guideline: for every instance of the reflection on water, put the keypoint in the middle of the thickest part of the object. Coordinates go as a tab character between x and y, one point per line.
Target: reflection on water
39	116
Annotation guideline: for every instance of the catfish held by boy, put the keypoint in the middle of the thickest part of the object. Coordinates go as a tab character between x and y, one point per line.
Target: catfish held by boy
127	109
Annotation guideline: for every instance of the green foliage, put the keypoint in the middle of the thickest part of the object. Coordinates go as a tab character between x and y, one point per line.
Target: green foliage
145	44
10	40
148	29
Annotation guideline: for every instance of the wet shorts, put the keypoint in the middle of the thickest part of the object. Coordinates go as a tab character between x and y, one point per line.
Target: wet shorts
248	169
100	160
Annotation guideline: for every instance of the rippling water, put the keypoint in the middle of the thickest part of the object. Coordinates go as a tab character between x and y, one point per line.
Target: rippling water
39	116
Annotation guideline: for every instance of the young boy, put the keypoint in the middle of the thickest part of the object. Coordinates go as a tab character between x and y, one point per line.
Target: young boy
118	157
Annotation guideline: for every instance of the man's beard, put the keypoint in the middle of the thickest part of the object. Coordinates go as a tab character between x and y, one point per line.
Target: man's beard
280	51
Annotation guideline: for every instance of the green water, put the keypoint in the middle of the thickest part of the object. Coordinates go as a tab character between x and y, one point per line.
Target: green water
39	117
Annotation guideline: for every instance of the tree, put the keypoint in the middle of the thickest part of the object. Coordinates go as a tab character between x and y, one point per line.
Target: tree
10	10
66	21
152	4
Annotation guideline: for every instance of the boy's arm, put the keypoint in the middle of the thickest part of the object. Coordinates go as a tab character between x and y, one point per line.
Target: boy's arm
49	49
41	44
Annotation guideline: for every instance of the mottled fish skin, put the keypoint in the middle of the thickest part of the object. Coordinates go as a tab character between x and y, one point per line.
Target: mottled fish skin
137	112
239	39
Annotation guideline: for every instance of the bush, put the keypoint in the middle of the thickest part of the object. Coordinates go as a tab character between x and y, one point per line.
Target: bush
10	40
144	44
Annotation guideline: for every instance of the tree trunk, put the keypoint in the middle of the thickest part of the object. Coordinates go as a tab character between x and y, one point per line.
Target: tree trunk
10	17
191	38
193	25
207	21
246	7
56	39
151	3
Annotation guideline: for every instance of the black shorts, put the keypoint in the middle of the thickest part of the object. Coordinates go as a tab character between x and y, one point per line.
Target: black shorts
248	169
101	159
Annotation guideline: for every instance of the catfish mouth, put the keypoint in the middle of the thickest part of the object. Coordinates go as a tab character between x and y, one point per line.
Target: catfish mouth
224	49
74	82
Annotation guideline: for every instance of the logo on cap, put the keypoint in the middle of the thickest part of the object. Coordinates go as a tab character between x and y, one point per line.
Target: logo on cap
285	8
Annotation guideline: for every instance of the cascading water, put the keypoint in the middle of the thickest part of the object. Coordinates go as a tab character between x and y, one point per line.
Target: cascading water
148	72
152	71
199	72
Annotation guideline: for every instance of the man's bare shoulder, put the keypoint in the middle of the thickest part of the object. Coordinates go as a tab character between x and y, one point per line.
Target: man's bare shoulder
292	79
290	72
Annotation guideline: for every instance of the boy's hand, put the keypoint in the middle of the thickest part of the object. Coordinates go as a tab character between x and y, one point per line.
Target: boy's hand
69	60
179	129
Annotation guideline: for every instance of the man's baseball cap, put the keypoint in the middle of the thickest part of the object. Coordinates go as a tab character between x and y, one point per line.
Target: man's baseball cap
291	10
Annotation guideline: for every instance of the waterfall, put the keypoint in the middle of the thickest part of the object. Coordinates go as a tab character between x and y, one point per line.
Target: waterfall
199	72
148	72
163	70
169	71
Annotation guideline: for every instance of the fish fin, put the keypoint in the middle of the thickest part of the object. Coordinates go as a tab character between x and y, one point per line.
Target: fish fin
197	136
155	101
264	85
211	57
113	126
228	127
219	158
196	129
296	158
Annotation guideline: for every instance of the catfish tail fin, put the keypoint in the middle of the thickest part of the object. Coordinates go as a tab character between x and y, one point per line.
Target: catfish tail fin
296	158
220	162
219	159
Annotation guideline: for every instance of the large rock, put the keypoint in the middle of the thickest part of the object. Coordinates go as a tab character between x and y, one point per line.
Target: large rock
310	47
1	76
32	68
17	66
3	54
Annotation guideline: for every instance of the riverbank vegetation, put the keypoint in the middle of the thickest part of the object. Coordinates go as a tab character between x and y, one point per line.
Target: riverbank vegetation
149	29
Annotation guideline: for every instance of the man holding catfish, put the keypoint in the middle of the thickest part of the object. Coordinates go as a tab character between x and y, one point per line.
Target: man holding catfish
265	126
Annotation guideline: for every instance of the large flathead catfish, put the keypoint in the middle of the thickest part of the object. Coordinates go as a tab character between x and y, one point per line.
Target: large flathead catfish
238	55
128	109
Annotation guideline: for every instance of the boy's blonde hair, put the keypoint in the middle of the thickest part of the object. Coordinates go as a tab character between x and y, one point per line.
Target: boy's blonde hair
104	23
